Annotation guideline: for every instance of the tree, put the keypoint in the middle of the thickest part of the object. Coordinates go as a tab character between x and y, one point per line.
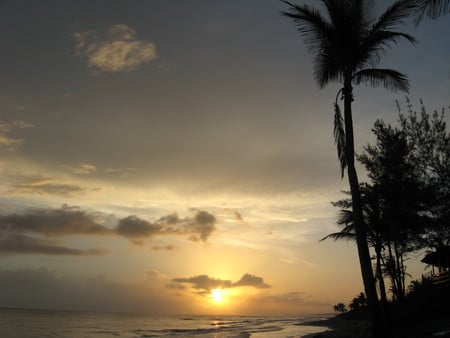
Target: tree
373	218
346	46
358	302
406	205
432	9
429	143
340	307
401	200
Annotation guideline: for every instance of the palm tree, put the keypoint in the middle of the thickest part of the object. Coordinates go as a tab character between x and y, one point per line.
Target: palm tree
346	46
432	9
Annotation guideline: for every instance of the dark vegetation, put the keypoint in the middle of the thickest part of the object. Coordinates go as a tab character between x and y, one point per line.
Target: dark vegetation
405	206
406	209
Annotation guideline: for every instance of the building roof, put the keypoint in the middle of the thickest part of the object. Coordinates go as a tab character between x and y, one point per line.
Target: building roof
440	257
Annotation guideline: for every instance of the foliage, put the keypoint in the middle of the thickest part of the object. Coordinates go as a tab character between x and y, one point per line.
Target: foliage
358	302
340	307
406	205
432	9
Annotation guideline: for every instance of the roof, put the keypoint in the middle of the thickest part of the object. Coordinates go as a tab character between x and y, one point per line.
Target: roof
440	257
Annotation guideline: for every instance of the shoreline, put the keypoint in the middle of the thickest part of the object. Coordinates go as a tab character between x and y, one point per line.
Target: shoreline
339	328
360	328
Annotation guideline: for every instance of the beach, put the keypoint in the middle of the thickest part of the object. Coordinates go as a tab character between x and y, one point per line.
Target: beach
360	328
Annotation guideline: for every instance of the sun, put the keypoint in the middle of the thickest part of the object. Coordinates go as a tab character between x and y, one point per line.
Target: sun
218	296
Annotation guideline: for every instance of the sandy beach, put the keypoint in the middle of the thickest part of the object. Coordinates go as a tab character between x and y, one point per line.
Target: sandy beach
360	328
341	328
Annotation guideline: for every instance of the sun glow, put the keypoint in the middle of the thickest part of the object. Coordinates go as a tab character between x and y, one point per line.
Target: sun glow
218	296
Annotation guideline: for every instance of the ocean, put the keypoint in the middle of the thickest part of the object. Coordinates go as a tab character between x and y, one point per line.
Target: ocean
21	323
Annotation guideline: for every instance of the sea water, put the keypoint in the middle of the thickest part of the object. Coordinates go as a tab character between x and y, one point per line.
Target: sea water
20	323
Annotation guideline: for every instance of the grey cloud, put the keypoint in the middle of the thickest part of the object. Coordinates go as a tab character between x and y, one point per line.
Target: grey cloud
81	168
251	280
198	227
23	244
6	141
204	283
137	229
54	222
203	224
67	221
44	186
115	50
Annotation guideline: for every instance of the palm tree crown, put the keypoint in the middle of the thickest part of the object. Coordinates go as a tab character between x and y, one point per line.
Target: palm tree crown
349	42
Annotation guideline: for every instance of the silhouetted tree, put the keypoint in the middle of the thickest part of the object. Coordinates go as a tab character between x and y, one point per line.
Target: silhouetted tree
340	307
406	206
429	143
372	211
346	46
358	302
401	200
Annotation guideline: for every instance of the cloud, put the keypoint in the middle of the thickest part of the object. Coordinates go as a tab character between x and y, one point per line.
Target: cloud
81	168
115	50
203	224
251	280
67	221
54	222
198	227
137	229
42	185
13	243
122	172
6	142
205	284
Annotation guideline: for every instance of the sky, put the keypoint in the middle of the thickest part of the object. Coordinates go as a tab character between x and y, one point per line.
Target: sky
177	156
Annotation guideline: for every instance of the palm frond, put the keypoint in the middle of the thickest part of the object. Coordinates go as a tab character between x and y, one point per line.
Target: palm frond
339	137
388	78
340	236
394	15
311	24
432	9
374	46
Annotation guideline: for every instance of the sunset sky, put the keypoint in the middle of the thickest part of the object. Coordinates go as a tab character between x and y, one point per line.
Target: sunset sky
154	151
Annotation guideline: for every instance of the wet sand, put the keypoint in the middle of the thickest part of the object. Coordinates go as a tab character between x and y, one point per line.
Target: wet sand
340	328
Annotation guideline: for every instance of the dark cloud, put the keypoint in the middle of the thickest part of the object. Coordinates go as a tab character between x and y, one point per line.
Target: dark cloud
23	244
203	224
44	186
198	227
66	221
54	222
251	280
137	229
204	283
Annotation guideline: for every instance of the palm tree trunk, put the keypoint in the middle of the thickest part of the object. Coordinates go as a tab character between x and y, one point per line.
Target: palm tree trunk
361	237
